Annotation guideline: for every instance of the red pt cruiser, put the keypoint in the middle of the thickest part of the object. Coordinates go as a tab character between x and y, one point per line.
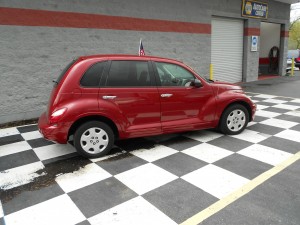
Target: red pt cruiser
98	99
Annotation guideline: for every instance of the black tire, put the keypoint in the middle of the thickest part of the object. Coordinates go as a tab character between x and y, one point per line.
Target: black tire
234	119
93	139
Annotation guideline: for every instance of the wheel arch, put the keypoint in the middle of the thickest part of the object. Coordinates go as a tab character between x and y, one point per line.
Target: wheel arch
85	119
243	103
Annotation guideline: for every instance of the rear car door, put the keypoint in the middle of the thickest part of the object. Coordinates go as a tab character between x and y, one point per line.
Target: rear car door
183	106
132	97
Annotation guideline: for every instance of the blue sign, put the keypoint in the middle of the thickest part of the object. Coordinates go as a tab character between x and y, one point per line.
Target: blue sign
255	9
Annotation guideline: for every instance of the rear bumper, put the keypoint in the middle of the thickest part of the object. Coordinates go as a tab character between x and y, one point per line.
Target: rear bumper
53	132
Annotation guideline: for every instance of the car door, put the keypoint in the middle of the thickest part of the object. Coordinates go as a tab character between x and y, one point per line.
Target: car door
133	97
183	106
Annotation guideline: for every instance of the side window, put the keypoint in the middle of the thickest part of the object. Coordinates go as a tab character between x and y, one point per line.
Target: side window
91	77
128	74
173	75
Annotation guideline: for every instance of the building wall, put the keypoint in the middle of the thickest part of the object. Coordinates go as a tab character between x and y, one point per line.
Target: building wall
38	38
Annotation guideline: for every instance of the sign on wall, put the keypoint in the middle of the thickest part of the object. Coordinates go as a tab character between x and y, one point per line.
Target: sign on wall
255	9
254	42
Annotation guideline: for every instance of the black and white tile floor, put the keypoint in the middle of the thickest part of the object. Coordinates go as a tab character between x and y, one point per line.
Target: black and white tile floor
158	180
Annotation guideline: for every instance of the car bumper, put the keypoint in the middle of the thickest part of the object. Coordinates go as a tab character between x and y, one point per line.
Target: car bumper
53	132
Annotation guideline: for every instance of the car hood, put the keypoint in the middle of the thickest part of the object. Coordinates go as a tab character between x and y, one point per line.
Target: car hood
226	85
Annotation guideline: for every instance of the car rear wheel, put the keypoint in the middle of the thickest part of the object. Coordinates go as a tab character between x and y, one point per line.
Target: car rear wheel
234	119
93	139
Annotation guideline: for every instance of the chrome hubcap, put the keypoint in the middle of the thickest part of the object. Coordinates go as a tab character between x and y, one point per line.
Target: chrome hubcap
94	140
236	120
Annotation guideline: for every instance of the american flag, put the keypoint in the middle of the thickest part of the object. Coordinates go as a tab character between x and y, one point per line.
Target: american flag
141	49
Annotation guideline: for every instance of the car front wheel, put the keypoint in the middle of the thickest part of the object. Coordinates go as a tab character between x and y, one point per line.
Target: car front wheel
93	139
234	119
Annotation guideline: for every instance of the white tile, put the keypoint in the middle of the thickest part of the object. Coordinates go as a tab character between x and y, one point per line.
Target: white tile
158	152
279	123
290	135
251	124
20	175
204	135
1	210
208	153
265	96
145	178
215	180
107	156
58	210
134	211
90	174
296	100
8	131
285	106
251	136
260	107
276	101
268	114
31	135
293	113
14	148
52	151
265	154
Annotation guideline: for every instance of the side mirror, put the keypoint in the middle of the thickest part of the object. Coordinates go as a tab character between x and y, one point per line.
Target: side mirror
197	83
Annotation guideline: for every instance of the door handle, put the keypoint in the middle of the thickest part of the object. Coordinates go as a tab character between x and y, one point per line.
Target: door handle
166	95
109	97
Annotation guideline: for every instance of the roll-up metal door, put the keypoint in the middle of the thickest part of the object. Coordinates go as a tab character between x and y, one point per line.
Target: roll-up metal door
227	49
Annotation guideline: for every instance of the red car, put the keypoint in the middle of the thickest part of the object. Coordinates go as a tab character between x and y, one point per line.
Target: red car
98	99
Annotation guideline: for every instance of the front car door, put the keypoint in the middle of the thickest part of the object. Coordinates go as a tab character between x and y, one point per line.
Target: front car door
132	97
183	106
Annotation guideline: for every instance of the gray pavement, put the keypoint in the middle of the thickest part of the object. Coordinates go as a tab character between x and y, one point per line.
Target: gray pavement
288	86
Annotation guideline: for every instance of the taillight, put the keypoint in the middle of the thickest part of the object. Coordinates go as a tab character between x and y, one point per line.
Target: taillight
57	115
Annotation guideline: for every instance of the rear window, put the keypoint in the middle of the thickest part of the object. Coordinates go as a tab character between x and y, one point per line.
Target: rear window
63	72
92	76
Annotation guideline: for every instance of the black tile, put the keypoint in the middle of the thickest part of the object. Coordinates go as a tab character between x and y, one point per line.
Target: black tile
180	143
18	159
2	222
30	196
179	199
61	158
266	129
121	163
281	144
85	222
277	110
29	128
243	166
40	142
297	128
284	98
230	143
260	119
289	118
180	164
266	103
135	144
11	139
257	98
100	196
292	103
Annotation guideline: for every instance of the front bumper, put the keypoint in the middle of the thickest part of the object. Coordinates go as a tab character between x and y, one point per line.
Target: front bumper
53	132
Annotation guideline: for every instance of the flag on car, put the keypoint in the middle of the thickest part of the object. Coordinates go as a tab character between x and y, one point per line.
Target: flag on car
141	49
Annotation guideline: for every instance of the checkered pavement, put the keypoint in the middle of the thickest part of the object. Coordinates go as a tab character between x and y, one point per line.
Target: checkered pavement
157	180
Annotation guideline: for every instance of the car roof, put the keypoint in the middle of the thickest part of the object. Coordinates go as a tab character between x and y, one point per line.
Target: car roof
127	57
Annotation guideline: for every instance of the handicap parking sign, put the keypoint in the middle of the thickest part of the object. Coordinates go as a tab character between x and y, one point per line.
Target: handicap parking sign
254	42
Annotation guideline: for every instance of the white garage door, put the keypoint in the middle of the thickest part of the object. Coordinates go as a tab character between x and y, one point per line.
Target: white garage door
227	49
